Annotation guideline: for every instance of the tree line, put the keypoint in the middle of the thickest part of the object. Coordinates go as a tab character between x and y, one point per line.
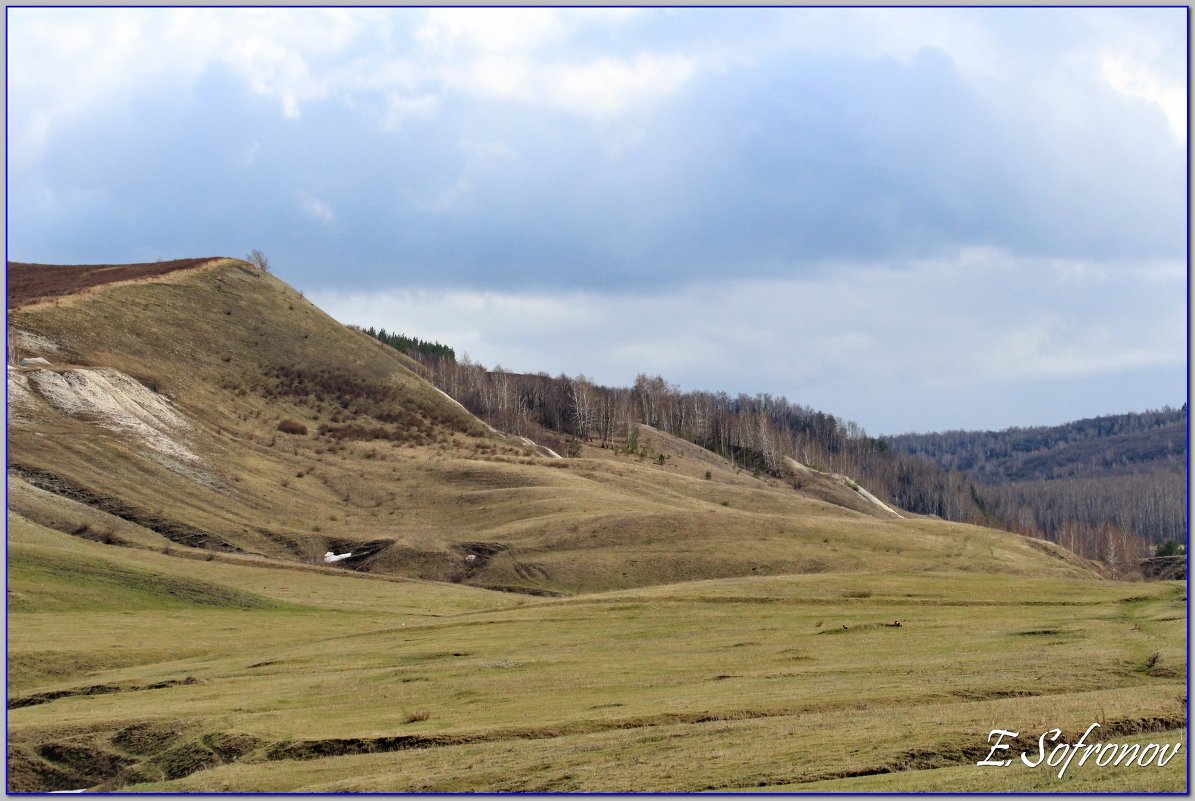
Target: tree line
1107	487
412	346
754	432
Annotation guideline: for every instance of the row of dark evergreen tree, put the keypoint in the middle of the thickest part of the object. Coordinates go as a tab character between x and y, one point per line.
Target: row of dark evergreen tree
412	346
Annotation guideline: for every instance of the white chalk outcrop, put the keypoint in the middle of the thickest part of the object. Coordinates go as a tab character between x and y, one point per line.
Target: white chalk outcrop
108	398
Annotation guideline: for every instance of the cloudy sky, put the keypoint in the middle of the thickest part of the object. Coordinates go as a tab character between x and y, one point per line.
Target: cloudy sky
917	219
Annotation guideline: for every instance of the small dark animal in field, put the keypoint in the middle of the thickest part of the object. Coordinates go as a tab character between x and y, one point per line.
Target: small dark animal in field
895	624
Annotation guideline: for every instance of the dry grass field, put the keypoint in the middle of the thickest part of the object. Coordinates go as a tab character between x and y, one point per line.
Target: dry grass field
509	620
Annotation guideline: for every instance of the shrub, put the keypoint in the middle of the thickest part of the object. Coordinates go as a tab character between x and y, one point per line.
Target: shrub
289	426
415	717
1169	548
709	474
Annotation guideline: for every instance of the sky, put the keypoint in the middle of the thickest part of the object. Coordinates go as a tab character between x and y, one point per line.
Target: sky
915	219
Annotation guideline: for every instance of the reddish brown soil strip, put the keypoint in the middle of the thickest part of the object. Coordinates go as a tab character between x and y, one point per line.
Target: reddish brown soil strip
32	282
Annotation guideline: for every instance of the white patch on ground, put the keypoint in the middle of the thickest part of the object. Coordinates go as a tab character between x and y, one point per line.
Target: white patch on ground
21	399
28	342
117	402
797	467
542	450
868	496
460	406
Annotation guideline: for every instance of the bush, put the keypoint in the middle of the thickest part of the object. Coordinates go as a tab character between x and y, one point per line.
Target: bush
709	474
1169	548
289	426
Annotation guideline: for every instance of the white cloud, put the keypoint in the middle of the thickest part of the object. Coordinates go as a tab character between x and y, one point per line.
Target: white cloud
274	71
488	30
601	88
399	109
1135	79
316	207
608	86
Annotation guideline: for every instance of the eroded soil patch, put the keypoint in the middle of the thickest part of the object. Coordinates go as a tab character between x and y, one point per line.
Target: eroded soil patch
17	702
172	530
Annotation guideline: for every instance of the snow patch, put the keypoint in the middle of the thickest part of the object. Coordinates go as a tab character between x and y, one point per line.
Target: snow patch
543	450
797	467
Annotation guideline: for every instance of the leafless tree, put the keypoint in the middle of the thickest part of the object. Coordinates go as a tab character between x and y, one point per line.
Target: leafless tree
258	259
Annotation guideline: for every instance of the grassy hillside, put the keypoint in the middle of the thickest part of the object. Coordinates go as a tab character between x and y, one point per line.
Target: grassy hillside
656	620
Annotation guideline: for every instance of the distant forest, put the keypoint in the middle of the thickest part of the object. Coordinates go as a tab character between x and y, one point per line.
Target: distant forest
1094	499
1127	471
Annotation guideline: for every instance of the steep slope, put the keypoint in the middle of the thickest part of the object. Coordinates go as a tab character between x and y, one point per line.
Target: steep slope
214	410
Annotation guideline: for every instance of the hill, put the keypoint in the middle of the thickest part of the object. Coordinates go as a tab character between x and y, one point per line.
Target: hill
1122	444
215	408
1127	471
646	618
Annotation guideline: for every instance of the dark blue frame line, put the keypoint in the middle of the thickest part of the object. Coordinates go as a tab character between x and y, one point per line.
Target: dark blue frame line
751	793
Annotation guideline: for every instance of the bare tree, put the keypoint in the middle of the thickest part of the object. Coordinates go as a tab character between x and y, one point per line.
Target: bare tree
258	259
584	405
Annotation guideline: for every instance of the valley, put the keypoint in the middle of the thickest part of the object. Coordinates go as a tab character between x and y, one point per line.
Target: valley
621	619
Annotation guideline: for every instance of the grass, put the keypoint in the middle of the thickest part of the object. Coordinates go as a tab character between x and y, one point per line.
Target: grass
724	684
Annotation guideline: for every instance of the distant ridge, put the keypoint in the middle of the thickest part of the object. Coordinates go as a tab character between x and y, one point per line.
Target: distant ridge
1125	469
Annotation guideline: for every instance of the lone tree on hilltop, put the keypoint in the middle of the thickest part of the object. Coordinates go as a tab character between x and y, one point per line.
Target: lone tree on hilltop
258	259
